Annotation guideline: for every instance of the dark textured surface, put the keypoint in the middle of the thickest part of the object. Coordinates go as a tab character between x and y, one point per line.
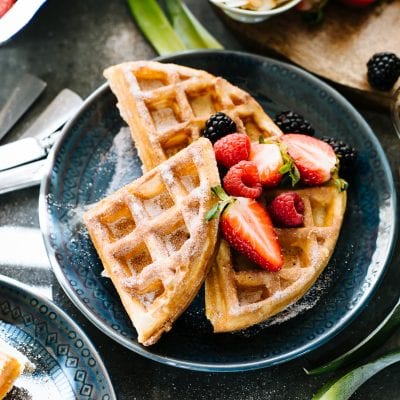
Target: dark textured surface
68	44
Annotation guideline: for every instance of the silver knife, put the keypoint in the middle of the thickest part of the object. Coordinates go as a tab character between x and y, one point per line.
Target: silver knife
22	177
56	114
23	96
40	137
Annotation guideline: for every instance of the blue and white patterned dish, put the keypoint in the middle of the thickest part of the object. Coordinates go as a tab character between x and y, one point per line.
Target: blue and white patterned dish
95	157
67	366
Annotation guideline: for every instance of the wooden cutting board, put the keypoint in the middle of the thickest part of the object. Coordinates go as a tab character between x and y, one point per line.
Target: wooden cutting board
337	49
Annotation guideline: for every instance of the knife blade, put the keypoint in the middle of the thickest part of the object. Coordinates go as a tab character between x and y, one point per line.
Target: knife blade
39	138
56	114
23	96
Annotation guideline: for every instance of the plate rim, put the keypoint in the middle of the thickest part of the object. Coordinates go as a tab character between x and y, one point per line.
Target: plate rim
17	285
231	366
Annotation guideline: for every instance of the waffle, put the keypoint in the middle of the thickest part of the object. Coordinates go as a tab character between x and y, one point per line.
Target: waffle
166	107
153	239
240	294
12	365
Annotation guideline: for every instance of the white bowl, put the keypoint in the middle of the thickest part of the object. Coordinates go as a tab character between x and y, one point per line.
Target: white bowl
17	17
250	16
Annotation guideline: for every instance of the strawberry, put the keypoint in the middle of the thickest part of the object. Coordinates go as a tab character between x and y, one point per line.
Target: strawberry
243	180
269	161
231	149
247	227
5	5
314	158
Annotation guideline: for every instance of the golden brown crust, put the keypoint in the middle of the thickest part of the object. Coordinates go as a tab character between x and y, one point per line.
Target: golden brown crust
166	106
153	239
240	294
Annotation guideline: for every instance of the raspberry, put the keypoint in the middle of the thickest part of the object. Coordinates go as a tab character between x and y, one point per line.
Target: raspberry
231	149
217	126
243	180
287	210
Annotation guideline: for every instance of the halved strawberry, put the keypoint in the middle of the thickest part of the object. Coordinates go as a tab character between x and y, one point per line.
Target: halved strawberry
314	158
268	159
247	227
5	5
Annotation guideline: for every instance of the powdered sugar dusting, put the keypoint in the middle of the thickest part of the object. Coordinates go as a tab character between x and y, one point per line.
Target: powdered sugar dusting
306	303
127	164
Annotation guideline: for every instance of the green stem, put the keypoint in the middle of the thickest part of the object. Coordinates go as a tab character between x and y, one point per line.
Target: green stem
188	28
373	341
344	387
155	26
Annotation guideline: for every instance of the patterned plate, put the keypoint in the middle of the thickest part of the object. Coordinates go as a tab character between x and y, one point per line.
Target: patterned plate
67	366
95	156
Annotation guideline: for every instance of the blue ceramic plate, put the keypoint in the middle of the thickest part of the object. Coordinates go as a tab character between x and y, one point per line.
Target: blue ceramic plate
67	366
95	157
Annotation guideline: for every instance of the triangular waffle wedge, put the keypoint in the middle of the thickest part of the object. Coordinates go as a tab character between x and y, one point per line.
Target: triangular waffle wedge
166	106
240	294
12	365
153	240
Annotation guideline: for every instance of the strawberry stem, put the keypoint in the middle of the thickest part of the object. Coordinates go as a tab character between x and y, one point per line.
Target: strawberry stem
288	166
218	209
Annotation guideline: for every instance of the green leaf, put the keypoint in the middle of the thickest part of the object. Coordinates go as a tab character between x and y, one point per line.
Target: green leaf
372	342
186	25
219	208
212	213
344	387
155	26
341	184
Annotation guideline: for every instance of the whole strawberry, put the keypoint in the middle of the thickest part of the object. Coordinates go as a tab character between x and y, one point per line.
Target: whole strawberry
247	227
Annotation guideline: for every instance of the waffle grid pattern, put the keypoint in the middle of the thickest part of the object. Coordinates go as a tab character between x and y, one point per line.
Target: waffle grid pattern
148	233
236	288
167	106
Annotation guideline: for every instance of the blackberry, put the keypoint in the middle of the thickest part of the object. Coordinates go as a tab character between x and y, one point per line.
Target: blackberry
292	122
217	126
347	155
383	70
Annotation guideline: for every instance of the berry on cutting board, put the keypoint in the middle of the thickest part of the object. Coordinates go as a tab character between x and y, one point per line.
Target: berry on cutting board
248	228
5	5
314	159
292	122
231	149
269	161
287	210
383	70
218	126
243	180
